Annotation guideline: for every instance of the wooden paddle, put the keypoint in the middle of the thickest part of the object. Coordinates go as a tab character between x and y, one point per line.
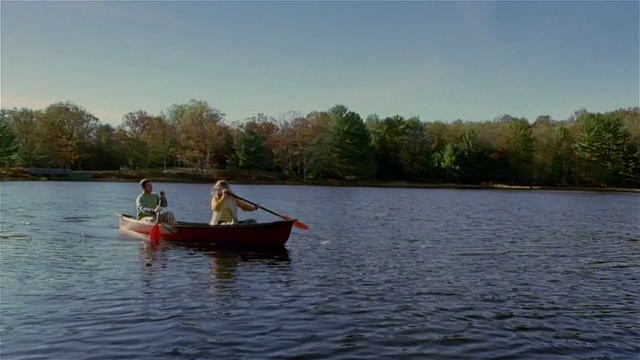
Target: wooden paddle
297	223
155	234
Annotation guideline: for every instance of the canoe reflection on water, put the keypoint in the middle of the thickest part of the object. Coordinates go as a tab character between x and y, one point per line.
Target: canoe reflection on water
226	263
152	250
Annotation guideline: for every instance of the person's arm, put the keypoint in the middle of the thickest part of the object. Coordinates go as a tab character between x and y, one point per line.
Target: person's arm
246	206
216	203
143	208
163	200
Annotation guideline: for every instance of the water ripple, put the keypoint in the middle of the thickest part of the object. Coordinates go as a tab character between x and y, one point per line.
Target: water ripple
383	273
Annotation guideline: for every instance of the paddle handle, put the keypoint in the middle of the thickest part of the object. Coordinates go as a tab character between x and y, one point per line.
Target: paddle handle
254	204
297	223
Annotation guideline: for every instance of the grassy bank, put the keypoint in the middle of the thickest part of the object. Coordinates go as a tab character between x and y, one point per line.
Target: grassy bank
177	175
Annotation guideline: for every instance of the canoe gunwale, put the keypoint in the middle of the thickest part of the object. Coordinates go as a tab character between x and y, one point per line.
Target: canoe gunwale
185	224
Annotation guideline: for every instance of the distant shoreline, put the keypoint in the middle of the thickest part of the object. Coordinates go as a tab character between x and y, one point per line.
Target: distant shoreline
263	178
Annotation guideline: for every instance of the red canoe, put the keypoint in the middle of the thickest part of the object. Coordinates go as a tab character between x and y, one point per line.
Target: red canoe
261	234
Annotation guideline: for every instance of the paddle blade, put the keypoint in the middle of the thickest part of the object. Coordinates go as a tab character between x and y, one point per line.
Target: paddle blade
298	224
155	233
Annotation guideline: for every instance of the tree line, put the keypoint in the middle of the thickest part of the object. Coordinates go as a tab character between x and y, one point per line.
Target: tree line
588	149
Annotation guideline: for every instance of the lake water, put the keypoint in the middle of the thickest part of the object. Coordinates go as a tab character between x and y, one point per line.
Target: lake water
382	273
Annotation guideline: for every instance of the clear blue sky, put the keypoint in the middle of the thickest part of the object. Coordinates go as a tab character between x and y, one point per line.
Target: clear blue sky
443	61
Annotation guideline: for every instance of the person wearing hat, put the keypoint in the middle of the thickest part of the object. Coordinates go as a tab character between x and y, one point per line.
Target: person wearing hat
149	205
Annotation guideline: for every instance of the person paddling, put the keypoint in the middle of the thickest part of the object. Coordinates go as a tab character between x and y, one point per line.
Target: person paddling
149	205
225	206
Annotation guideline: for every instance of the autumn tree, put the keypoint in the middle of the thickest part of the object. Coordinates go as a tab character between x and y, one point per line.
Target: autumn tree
199	131
161	139
315	145
136	123
25	126
67	129
286	150
266	126
283	154
132	151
